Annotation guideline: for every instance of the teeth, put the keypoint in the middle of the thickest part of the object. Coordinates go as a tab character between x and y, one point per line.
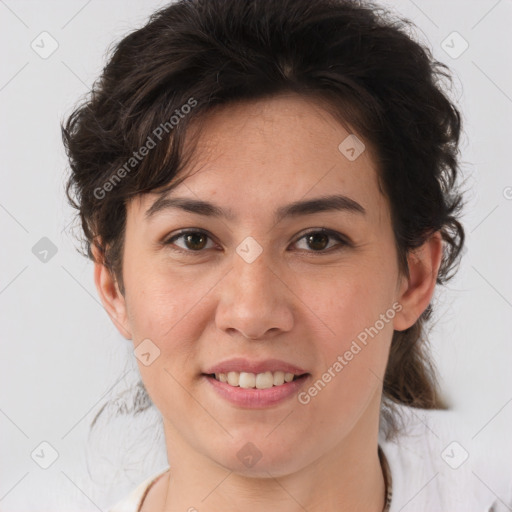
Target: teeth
251	380
246	380
263	380
279	378
233	378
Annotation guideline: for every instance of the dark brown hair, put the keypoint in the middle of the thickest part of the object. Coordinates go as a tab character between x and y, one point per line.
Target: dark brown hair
357	58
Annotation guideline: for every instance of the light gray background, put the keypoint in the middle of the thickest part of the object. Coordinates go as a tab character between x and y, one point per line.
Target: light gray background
61	356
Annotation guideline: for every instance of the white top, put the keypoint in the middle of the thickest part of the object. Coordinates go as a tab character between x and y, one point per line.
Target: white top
435	467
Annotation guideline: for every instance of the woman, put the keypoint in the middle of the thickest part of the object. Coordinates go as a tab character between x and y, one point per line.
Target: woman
268	192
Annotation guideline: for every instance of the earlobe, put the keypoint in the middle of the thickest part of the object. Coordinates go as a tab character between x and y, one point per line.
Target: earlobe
416	291
110	295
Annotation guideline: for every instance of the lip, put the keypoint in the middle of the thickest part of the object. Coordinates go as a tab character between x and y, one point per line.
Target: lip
256	398
240	364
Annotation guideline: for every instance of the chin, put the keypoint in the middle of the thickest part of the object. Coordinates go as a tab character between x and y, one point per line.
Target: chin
260	459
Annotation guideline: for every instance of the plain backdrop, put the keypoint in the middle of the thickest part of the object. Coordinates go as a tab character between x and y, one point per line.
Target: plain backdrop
62	358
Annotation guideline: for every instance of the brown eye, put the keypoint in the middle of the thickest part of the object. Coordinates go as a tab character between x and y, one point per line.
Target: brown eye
194	241
318	240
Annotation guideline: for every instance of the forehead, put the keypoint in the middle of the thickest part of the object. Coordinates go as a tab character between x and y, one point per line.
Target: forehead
261	154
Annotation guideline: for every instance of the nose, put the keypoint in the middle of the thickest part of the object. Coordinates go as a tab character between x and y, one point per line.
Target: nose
254	301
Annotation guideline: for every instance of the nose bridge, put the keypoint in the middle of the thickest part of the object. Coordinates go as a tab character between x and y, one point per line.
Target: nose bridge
254	282
252	265
255	277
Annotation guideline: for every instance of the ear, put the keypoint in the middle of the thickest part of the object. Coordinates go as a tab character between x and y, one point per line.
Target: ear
417	290
110	296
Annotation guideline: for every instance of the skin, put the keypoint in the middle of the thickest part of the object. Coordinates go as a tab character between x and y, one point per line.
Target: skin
291	303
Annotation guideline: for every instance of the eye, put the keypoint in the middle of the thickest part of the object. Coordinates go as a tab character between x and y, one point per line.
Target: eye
194	240
318	239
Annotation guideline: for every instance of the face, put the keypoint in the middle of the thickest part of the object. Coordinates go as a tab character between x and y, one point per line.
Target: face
202	290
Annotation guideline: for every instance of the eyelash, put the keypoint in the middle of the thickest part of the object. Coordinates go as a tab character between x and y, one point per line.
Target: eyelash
331	234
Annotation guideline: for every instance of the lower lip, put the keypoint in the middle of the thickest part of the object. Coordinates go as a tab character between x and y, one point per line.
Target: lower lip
257	398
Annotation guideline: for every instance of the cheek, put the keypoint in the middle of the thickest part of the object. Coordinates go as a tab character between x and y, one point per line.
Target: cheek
356	320
350	299
159	298
351	370
172	310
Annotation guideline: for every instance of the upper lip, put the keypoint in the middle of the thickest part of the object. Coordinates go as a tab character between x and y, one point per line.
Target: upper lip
240	364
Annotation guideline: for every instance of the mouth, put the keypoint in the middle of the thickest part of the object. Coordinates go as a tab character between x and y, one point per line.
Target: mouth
249	383
249	380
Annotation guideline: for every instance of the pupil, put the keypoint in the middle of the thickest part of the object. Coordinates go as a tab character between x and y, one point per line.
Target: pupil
323	242
192	239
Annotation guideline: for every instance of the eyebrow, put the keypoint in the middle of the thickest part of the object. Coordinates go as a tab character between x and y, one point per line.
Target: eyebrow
295	209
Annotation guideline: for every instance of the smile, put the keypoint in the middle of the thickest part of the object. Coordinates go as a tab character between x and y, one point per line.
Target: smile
252	396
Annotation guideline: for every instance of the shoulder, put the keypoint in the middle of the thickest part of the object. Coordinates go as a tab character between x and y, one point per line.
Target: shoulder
133	501
437	466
